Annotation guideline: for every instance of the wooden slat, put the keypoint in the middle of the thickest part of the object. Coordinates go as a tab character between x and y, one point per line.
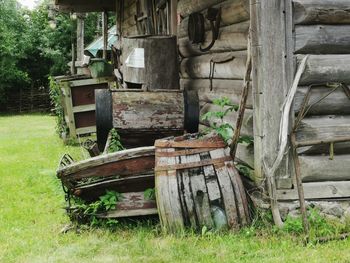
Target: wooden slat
321	11
85	82
321	168
319	190
322	39
323	128
130	213
200	194
339	148
326	68
84	108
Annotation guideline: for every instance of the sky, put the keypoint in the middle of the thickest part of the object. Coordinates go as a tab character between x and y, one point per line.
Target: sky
30	4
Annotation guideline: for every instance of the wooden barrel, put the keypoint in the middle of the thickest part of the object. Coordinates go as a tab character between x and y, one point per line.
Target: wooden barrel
141	117
150	62
198	185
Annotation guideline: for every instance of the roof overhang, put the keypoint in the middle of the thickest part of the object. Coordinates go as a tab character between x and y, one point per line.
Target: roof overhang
83	6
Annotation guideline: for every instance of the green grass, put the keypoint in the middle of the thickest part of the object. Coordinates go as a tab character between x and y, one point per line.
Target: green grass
31	217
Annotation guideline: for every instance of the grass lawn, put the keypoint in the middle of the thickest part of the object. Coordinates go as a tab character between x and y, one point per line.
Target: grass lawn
31	217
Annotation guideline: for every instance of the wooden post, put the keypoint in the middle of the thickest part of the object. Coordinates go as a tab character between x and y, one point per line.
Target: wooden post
105	33
173	17
272	76
80	36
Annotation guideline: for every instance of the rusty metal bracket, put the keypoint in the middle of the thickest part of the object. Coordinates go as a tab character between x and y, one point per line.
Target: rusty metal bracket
214	16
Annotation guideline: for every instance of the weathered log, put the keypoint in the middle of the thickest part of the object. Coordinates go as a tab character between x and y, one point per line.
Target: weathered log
318	190
326	68
336	103
321	168
231	89
230	118
228	40
232	12
321	12
200	67
322	39
186	7
323	149
323	128
144	59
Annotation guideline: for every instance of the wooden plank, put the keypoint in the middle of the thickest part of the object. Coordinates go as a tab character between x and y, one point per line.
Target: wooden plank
322	39
229	40
227	191
326	68
319	190
321	168
130	213
188	198
86	82
105	159
272	76
321	11
231	89
84	108
85	130
335	103
323	128
199	67
67	97
200	193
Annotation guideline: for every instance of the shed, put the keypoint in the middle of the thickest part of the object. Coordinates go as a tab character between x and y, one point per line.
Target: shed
282	33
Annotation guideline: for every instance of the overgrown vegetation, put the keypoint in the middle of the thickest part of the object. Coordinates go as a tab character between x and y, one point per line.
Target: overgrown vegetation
32	216
115	144
218	124
88	213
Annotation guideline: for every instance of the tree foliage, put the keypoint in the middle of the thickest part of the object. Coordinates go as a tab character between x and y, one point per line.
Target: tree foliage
31	50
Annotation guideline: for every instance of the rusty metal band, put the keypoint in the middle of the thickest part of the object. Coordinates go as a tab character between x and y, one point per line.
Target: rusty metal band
185	152
192	165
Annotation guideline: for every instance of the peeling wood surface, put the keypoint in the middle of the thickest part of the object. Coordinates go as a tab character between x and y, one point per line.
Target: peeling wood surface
321	11
148	111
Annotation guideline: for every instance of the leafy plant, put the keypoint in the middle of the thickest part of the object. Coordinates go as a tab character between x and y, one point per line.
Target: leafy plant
150	194
56	100
88	212
224	129
115	145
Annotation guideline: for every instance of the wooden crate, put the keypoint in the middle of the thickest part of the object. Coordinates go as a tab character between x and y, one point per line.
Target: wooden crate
78	100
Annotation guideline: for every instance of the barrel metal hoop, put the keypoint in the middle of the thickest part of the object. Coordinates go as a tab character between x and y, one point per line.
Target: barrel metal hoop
192	165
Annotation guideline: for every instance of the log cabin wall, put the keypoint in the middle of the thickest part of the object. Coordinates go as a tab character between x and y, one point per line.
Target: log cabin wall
231	46
322	30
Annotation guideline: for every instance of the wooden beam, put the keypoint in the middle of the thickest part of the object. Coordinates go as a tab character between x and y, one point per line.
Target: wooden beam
85	6
186	7
321	168
326	68
232	12
229	40
105	33
322	39
318	190
335	103
321	11
199	67
229	88
323	128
